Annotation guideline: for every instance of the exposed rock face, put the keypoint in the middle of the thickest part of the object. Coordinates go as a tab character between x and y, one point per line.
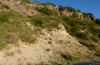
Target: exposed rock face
67	13
19	6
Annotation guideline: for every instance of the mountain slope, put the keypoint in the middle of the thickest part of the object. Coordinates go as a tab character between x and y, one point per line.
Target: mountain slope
42	33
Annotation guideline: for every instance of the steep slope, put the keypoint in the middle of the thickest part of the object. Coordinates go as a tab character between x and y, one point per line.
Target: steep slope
49	47
42	33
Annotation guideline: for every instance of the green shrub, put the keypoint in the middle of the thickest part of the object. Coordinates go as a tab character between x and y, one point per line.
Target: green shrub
90	46
73	22
95	31
6	28
67	56
74	15
97	21
27	38
4	17
95	39
89	15
36	20
46	10
16	26
50	25
75	25
82	35
71	9
62	8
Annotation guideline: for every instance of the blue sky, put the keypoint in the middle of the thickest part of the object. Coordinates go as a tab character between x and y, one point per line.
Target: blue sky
91	6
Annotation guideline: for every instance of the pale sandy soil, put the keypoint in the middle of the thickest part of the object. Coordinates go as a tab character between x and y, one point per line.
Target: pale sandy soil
57	41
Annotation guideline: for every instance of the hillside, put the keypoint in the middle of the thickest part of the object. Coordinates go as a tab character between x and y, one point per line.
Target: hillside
45	34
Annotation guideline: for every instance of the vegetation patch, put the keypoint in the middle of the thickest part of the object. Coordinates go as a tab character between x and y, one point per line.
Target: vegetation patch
88	15
37	21
82	35
4	16
67	56
45	21
46	10
90	46
96	32
97	21
62	8
12	28
75	25
97	54
71	9
48	50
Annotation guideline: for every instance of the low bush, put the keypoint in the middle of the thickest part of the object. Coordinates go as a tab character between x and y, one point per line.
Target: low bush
97	21
36	20
67	56
95	31
45	22
75	26
50	25
90	46
71	9
82	35
12	24
73	22
95	39
46	10
27	38
62	8
89	15
4	17
74	15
